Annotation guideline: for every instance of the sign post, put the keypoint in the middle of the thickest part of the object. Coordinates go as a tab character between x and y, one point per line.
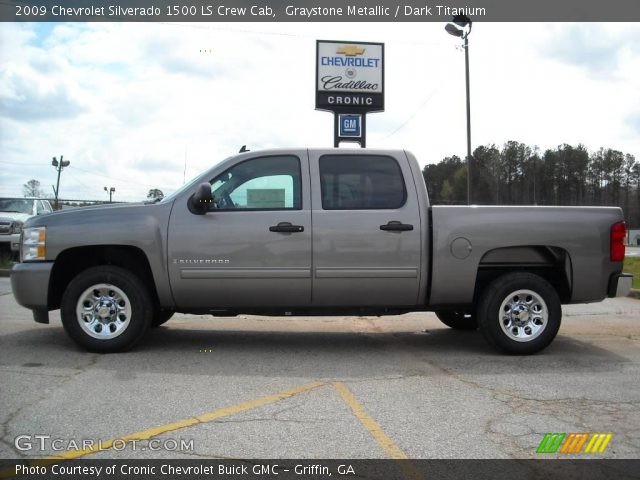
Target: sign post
349	83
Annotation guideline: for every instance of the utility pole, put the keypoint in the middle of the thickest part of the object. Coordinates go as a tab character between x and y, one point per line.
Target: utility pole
59	166
469	157
110	190
460	26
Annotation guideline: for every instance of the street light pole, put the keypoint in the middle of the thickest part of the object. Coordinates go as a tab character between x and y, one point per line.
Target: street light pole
460	26
59	166
110	190
466	67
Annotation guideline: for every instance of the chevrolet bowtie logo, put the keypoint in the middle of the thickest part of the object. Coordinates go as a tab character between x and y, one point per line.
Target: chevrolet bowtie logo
350	50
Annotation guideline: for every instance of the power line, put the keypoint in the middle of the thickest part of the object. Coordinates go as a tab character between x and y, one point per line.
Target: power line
420	107
81	170
21	164
113	178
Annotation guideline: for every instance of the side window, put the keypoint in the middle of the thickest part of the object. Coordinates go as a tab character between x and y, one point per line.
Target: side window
47	207
40	207
357	182
265	183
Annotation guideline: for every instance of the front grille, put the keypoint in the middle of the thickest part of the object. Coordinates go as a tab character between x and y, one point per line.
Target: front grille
5	228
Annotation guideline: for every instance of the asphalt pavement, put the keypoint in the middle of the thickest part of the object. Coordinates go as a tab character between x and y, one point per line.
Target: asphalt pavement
326	387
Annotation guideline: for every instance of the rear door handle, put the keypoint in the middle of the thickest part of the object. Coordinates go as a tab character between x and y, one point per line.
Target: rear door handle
286	227
395	226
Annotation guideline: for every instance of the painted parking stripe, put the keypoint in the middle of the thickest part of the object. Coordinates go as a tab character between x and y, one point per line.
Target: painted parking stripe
369	423
358	410
409	469
188	422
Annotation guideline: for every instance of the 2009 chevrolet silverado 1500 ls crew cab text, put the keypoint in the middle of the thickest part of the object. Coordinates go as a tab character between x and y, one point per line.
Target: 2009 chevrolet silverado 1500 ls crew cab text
317	232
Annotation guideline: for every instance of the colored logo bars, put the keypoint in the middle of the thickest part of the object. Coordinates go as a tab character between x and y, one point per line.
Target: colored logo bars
573	443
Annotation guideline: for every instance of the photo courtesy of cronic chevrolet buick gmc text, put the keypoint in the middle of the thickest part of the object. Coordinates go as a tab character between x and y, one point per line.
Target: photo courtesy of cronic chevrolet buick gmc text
318	232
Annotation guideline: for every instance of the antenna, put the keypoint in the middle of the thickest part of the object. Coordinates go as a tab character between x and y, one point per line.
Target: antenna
184	172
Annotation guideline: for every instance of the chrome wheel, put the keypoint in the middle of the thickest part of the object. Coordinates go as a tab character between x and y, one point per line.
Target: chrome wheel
523	315
103	311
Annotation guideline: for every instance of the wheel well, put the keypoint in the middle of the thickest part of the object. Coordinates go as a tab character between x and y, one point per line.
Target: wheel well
551	263
71	262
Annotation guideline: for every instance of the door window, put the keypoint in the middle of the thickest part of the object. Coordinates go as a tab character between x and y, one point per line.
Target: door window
356	182
265	183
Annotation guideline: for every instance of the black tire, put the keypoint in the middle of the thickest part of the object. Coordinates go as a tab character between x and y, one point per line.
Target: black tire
457	320
161	317
105	278
526	297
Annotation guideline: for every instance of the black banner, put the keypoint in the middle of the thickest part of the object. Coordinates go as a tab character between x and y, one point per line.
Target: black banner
317	11
349	102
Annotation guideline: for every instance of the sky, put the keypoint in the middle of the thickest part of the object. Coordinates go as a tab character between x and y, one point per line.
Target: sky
138	106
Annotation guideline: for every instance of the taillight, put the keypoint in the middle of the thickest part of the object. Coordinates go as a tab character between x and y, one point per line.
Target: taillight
618	234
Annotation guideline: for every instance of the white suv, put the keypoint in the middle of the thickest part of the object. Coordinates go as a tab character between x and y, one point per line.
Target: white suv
13	213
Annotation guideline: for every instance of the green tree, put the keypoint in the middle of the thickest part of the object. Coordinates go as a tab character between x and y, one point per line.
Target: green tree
154	194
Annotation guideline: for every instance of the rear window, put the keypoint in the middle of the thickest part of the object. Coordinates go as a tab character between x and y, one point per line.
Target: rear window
361	182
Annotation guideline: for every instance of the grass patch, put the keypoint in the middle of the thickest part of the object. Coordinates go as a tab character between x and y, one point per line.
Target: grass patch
632	265
6	260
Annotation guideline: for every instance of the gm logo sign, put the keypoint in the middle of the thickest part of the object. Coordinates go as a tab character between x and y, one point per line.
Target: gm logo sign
574	443
350	126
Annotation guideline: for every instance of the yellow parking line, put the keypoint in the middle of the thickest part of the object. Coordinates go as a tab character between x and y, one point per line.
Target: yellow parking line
375	429
187	422
365	419
369	423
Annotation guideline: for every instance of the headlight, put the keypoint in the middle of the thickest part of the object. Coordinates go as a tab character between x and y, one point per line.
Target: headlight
16	227
33	243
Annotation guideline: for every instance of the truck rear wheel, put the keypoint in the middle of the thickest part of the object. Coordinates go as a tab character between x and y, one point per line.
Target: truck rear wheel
457	320
106	309
519	313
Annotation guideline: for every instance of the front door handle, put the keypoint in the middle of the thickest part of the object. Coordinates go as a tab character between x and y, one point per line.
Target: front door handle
395	226
286	227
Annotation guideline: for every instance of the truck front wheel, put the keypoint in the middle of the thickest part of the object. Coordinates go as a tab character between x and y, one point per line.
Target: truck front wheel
519	313
106	309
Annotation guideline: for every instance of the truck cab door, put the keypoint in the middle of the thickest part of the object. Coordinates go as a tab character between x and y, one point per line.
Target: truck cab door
366	230
252	249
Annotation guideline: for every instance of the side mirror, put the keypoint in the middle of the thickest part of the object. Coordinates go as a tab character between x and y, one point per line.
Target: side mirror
200	201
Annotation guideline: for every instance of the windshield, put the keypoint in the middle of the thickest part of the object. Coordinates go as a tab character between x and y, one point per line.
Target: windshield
18	205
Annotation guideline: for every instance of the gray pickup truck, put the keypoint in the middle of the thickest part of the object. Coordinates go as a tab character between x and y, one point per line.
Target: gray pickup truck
317	232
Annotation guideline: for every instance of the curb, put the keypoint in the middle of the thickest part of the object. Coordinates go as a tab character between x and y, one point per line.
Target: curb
4	272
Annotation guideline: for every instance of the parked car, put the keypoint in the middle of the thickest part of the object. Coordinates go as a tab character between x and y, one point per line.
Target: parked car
317	232
13	213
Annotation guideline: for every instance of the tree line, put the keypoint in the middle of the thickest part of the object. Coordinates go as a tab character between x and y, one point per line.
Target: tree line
517	174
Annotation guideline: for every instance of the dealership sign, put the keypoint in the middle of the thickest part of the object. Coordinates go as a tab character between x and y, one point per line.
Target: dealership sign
349	76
